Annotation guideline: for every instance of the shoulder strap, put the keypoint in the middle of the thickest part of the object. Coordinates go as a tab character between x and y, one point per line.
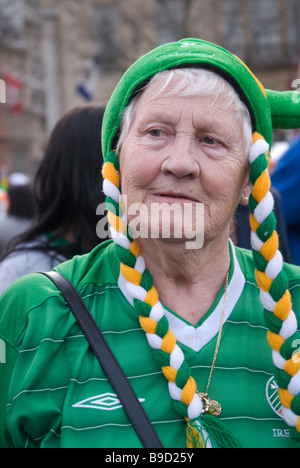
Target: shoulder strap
108	361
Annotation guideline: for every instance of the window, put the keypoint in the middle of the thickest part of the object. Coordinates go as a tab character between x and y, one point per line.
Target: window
106	35
293	30
259	31
12	21
232	27
169	16
265	32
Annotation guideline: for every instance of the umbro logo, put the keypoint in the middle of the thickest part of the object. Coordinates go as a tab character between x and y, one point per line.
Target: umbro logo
104	402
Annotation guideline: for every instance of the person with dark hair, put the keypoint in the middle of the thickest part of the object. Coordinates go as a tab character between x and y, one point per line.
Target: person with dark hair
67	192
21	202
20	209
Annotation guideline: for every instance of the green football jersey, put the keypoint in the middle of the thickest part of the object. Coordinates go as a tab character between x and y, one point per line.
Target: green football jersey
54	393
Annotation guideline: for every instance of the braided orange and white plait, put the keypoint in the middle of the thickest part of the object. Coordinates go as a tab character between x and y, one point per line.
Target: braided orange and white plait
271	278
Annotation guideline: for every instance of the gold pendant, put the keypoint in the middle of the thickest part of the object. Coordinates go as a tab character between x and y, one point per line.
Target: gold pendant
210	407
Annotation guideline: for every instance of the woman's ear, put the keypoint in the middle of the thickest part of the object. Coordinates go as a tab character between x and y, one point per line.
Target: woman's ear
244	200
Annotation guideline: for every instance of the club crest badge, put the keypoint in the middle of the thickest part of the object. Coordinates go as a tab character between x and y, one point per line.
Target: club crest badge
273	396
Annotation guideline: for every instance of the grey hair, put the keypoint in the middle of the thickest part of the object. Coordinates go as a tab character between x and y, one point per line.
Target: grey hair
192	82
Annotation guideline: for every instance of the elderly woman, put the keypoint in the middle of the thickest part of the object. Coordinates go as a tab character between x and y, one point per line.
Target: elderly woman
207	335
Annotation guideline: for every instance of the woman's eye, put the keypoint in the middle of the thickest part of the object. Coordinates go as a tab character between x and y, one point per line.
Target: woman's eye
209	140
156	133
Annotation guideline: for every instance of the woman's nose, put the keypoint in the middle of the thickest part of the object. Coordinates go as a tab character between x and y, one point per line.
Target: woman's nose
181	159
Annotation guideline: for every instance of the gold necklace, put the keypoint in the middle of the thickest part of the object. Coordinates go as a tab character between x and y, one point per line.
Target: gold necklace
212	407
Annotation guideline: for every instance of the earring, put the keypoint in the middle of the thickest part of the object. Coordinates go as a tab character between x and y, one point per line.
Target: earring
245	200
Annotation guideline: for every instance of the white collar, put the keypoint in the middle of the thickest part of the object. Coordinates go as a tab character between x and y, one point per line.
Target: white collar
197	337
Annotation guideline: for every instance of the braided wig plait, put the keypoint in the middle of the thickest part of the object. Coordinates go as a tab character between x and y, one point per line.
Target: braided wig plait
272	281
270	276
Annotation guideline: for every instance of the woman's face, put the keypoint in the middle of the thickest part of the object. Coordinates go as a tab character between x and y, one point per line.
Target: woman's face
183	152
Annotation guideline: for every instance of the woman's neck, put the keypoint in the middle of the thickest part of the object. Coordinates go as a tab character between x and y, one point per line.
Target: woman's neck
188	281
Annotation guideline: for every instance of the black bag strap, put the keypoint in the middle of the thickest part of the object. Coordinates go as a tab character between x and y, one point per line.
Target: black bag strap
108	361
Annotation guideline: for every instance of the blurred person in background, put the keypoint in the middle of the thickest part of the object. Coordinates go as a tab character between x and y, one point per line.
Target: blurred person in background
241	232
286	179
67	192
20	209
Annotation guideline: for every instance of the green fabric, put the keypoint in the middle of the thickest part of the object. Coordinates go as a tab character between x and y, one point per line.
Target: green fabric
219	433
285	108
57	240
285	112
53	392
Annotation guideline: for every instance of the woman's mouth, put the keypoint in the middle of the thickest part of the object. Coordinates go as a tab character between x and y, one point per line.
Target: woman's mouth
173	197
